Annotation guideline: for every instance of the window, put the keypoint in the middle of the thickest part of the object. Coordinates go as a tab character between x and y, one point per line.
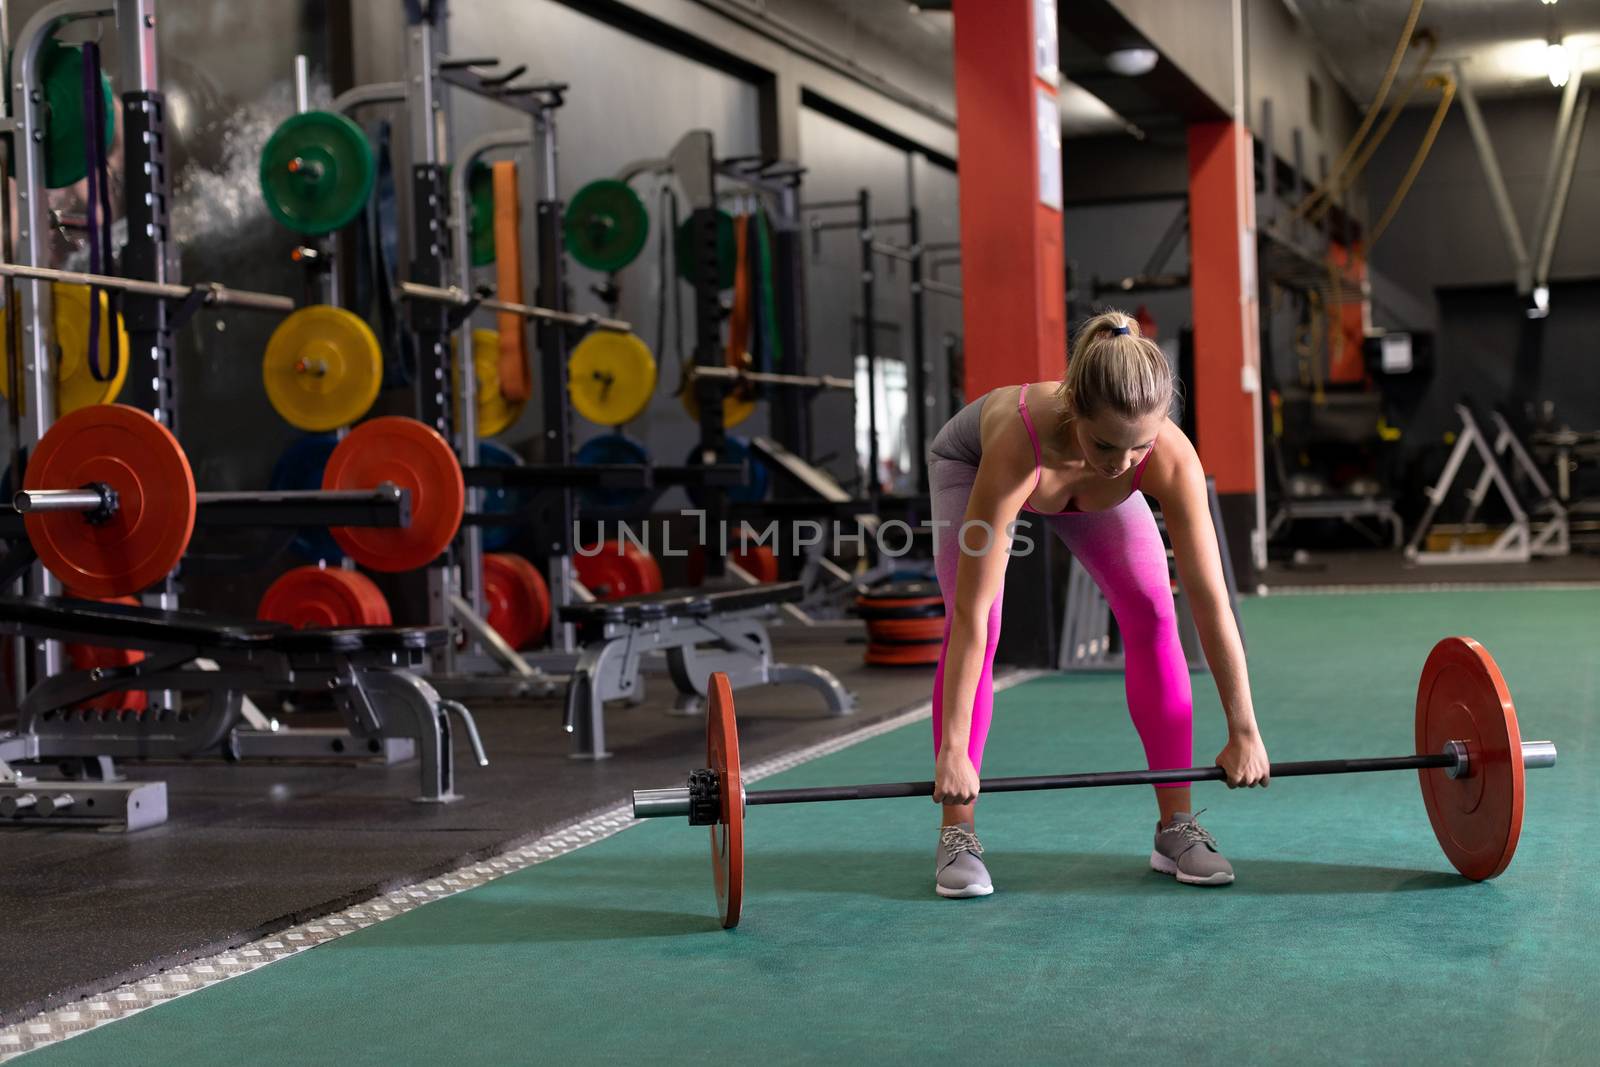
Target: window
894	430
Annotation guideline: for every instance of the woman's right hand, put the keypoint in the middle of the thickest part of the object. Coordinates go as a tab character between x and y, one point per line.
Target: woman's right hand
955	779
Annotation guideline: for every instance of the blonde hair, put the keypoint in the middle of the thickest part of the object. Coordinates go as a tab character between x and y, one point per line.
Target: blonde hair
1113	367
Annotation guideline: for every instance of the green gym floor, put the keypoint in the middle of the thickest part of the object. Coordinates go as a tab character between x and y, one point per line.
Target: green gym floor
1346	937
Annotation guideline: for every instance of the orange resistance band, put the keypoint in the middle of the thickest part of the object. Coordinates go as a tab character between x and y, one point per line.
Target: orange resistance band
515	382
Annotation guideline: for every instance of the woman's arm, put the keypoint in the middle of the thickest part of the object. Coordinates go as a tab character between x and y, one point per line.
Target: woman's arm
1179	484
1005	478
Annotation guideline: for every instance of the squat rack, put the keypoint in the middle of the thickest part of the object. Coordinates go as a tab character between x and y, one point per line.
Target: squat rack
923	279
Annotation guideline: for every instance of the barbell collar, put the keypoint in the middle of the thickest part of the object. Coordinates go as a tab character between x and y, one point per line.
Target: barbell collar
41	501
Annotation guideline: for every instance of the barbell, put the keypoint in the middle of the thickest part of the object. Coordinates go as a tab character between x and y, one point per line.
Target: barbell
109	499
1470	758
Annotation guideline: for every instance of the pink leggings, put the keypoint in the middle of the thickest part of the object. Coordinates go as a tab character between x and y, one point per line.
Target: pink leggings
1122	550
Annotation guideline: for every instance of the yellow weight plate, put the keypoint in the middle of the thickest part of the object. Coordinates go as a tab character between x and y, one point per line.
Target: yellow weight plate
611	377
76	386
736	407
322	368
496	413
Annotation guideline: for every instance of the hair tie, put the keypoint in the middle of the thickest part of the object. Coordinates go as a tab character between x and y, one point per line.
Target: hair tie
1123	330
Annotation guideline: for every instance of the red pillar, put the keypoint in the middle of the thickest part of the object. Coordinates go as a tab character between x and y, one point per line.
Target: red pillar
1008	128
1222	252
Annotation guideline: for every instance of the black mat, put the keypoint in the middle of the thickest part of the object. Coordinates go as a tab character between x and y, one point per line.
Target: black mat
250	849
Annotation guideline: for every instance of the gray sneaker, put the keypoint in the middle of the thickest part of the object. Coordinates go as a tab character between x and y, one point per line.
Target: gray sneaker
958	871
1186	850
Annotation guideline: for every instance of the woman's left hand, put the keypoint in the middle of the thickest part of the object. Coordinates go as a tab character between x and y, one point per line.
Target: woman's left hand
1245	761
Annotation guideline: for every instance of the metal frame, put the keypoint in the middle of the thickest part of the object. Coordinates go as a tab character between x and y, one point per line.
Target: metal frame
1525	537
1496	180
830	589
1348	510
378	693
1532	267
609	668
923	279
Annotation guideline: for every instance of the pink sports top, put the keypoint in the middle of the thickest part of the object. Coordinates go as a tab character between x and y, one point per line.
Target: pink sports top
1038	460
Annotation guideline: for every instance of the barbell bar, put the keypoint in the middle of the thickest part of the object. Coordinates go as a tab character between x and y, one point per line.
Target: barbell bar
1469	757
212	293
1455	762
798	381
100	499
109	504
458	297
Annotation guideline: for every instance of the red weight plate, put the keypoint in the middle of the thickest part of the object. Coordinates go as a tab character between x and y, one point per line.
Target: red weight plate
612	571
758	559
1462	697
86	657
138	457
645	565
324	598
919	655
412	456
760	562
516	599
374	605
727	836
887	604
929	629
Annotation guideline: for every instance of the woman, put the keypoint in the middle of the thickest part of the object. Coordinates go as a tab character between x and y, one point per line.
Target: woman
1078	454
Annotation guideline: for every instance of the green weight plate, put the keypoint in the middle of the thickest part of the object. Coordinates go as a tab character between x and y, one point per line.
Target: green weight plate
480	196
727	250
64	160
317	171
606	225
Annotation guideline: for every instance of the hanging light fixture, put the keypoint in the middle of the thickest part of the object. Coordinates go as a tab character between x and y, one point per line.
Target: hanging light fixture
1132	62
1557	64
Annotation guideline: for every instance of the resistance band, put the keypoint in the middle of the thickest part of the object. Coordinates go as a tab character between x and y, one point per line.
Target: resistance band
514	377
98	210
739	320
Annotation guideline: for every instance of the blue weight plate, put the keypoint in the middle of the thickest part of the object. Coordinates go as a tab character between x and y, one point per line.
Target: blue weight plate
610	448
500	501
735	450
300	467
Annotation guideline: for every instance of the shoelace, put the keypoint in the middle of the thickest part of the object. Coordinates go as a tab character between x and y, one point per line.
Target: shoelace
1193	831
957	840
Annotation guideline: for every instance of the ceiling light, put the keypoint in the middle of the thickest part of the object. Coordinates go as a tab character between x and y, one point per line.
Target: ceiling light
1556	64
1547	3
1541	303
1132	62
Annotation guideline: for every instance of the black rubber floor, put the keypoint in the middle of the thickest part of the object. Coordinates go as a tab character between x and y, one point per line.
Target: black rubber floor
254	848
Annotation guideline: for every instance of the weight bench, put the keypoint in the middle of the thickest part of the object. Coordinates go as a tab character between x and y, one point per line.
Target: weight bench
701	631
369	673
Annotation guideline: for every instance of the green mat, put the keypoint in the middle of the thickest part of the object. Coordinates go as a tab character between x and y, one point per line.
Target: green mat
1346	938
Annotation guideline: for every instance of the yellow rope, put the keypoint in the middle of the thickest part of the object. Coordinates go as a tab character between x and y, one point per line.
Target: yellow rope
1372	110
1448	84
1337	188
